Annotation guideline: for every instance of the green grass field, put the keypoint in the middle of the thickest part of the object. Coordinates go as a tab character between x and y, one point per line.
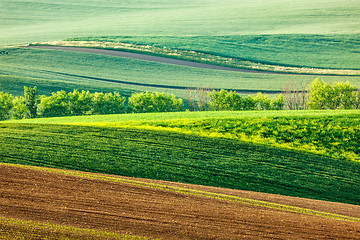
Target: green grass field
322	34
329	51
50	69
46	20
298	33
323	132
180	158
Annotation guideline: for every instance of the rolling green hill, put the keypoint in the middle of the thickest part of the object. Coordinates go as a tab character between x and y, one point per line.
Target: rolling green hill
28	21
121	144
53	70
289	33
320	34
180	158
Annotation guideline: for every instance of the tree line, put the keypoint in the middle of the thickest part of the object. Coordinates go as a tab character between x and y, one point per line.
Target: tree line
319	95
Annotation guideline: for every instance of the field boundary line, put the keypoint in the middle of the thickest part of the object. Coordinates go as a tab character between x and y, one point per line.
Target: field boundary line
193	192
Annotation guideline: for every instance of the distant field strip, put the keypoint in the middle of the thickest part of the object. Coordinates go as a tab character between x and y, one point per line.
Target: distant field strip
180	158
143	56
16	229
159	85
192	58
195	192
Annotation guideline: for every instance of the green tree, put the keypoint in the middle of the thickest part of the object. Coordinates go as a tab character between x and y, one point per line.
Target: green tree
6	104
323	95
20	110
356	99
79	103
228	101
320	94
344	95
278	103
108	103
155	102
57	105
263	101
30	95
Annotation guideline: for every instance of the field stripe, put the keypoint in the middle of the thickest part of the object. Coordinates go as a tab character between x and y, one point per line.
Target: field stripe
152	58
194	192
29	230
162	85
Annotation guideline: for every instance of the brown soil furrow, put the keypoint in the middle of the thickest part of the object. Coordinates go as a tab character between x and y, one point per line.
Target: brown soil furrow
31	194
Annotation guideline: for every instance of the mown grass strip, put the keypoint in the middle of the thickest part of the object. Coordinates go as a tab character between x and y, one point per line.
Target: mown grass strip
16	229
194	192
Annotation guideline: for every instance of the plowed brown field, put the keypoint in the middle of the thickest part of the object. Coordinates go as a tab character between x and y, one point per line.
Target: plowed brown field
56	197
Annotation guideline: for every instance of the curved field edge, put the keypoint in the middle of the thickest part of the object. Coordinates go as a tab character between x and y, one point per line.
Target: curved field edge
194	56
17	229
189	191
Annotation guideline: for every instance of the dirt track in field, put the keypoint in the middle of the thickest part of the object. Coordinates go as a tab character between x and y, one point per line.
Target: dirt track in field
30	194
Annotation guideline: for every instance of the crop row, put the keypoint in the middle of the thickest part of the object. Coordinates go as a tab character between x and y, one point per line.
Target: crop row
180	158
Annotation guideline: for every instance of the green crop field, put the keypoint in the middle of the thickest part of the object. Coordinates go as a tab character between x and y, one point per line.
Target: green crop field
181	158
333	51
311	154
324	132
28	21
321	34
53	70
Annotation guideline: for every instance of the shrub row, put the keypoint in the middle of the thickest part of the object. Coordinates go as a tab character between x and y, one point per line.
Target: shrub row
83	103
321	95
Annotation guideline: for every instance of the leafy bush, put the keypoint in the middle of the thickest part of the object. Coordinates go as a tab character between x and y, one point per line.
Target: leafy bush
107	103
155	102
323	95
6	104
56	105
79	103
229	101
19	110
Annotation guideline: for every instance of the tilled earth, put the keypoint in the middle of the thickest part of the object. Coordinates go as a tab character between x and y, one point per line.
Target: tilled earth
30	194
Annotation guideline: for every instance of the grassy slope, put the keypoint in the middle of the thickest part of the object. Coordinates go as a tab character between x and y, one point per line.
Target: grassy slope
323	132
184	158
20	64
205	19
46	20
